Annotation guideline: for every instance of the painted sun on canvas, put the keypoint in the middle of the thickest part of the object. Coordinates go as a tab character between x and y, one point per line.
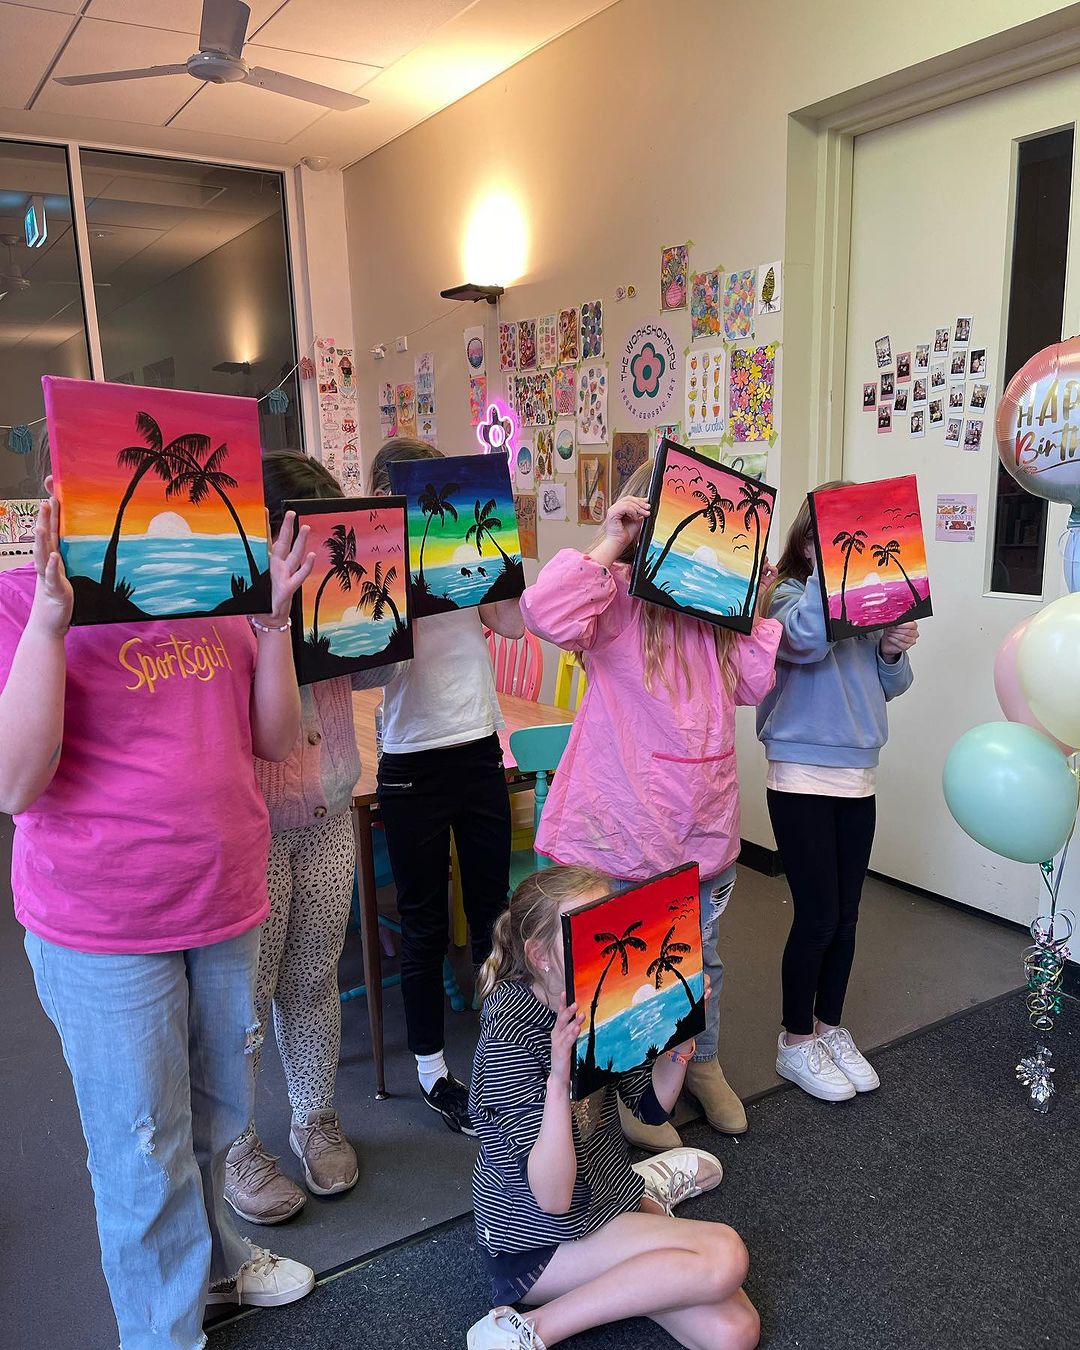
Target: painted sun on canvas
634	965
161	501
871	556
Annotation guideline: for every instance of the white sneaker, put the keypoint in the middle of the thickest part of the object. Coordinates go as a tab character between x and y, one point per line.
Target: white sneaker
848	1058
811	1067
678	1175
266	1281
504	1329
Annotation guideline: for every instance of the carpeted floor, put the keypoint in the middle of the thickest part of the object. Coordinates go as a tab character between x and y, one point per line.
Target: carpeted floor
938	1212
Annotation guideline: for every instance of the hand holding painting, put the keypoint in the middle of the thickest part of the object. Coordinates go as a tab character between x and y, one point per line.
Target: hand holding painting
896	641
290	566
53	596
564	1036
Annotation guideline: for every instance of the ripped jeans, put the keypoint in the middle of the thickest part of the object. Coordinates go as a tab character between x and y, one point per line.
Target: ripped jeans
159	1049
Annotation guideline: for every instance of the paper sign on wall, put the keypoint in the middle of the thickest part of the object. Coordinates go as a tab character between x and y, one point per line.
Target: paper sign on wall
648	374
475	354
956	517
704	401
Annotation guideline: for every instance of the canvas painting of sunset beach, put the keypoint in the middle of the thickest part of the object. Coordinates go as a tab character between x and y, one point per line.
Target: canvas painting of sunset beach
701	549
352	613
633	964
161	501
871	556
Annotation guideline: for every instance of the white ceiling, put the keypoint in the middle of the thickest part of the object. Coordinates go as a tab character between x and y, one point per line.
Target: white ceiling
410	58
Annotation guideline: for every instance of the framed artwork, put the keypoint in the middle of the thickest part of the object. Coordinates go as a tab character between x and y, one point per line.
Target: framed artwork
634	966
871	558
161	498
353	612
463	538
701	549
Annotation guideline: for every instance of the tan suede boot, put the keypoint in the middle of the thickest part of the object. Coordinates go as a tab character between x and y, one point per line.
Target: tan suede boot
652	1138
705	1082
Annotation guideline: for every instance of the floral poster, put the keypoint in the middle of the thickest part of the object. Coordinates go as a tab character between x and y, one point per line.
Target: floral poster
674	266
527	344
477	399
752	388
629	450
569	347
547	341
592	330
533	399
564	384
648	374
704	382
705	304
508	346
592	404
740	293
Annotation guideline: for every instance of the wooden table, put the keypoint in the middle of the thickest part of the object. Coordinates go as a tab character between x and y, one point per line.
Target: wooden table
517	714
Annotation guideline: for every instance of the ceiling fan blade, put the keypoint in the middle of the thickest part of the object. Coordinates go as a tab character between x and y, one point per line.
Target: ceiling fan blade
224	26
108	76
276	83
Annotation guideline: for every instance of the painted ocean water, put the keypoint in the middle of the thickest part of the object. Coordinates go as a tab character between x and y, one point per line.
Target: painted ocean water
702	585
626	1040
451	581
881	603
169	574
358	639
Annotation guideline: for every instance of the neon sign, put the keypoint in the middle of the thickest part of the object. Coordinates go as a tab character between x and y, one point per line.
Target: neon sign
498	431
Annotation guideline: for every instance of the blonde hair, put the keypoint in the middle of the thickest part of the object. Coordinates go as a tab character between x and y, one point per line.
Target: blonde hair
533	916
662	629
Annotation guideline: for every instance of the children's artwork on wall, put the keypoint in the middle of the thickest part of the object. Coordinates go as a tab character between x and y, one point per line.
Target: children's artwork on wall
533	399
648	374
545	454
547	341
634	966
629	450
770	288
463	540
475	353
525	514
477	399
739	295
592	404
18	516
406	409
704	394
425	385
569	337
871	558
664	431
523	464
674	268
752	393
527	344
592	330
594	482
705	304
427	430
565	445
161	501
551	501
508	346
564	392
700	550
352	613
754	464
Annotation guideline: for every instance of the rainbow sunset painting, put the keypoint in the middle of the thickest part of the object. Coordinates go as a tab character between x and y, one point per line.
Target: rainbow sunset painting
871	556
161	501
702	547
633	963
352	613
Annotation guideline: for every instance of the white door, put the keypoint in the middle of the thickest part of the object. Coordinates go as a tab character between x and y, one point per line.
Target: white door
931	241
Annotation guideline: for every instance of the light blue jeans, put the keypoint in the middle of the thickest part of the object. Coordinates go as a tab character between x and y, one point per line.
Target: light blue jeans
159	1049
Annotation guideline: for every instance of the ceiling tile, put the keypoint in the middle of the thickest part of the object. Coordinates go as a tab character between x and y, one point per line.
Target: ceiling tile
378	32
31	38
178	16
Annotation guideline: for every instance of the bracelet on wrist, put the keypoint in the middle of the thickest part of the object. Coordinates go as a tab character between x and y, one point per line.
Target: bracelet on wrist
269	628
680	1057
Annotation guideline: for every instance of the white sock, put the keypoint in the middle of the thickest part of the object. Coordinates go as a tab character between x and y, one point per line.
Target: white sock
431	1068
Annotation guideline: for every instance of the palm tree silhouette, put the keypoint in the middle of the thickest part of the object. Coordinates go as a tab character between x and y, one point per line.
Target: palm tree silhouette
435	501
615	949
164	460
849	544
375	595
484	528
344	569
714	509
671	955
751	502
198	480
884	554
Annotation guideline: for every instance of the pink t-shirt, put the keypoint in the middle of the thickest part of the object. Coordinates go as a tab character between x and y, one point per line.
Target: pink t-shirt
153	835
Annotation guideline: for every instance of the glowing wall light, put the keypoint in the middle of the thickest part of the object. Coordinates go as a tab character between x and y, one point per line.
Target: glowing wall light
496	243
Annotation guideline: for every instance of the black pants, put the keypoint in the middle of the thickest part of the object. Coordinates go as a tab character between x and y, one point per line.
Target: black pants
422	798
825	845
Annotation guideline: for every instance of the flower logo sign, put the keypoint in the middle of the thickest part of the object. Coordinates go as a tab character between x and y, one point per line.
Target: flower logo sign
649	374
496	433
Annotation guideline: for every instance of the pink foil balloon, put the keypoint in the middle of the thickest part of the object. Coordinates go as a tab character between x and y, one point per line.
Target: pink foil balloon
1007	686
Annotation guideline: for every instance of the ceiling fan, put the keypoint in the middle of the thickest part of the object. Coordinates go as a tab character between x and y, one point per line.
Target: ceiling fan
12	277
218	61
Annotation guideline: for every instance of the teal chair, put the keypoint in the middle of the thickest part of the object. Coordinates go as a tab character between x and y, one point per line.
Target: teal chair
537	750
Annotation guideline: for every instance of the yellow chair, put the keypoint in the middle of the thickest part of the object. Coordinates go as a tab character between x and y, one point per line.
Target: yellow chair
569	683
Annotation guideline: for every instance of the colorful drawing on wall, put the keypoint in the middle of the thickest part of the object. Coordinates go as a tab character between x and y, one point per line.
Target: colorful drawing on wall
406	409
475	352
754	464
352	613
463	542
565	445
752	393
569	343
18	516
770	288
525	514
674	268
594	483
564	391
704	394
629	450
547	341
545	454
161	501
665	431
551	501
705	304
740	290
871	555
527	344
700	550
533	399
634	966
649	372
592	330
508	346
523	465
592	404
477	399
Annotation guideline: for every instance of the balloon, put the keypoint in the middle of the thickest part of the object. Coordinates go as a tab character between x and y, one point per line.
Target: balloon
1007	686
1048	664
1038	425
1009	788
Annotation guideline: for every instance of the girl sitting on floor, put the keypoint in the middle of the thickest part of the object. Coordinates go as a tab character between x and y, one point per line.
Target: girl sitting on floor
567	1226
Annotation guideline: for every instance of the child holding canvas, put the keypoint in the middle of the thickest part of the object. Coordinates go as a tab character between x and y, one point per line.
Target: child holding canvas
648	780
568	1228
823	728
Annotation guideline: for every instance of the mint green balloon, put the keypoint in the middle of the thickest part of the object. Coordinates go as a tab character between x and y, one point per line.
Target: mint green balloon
1009	787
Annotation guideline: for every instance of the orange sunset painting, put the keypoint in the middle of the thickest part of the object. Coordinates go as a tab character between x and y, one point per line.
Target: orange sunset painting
161	501
633	963
352	613
871	555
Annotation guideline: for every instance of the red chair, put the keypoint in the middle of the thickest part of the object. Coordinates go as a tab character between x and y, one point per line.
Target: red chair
519	664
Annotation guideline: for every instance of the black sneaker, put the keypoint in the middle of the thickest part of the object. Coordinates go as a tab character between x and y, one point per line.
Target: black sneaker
451	1099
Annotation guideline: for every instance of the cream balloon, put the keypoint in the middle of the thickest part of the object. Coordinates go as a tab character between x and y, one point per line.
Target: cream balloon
1048	664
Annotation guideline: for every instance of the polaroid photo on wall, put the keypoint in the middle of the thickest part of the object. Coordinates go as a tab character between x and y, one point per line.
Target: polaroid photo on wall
903	367
922	358
937	376
957	397
973	433
937	411
900	406
888	384
953	427
869	396
980	397
884	419
883	347
958	365
941	341
918	391
977	362
962	331
918	422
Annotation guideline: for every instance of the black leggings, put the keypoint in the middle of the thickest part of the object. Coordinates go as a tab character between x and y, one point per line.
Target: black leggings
825	845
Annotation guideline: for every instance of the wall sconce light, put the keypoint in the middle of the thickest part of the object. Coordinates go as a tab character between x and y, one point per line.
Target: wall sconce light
474	293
